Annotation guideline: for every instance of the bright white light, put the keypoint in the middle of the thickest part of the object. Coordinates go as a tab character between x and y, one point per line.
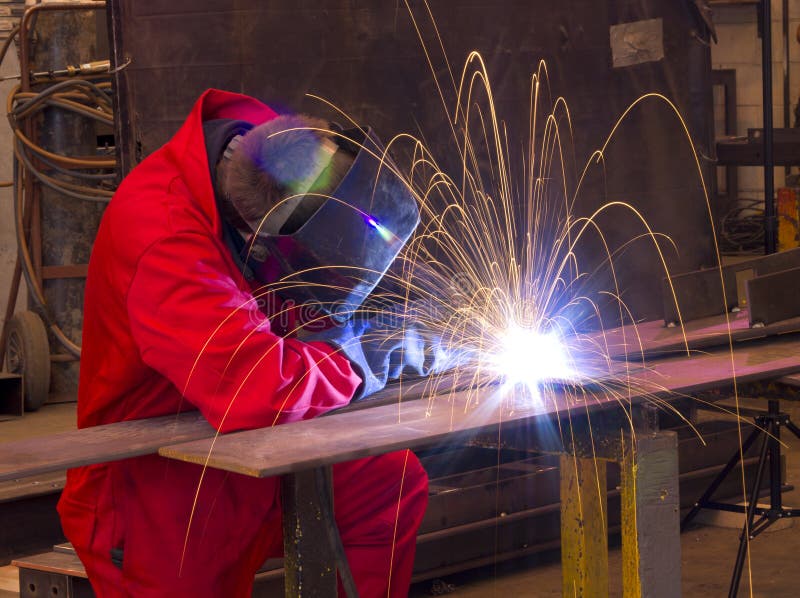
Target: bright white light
529	357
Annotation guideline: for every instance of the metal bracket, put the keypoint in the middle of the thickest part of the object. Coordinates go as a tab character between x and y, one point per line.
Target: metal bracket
34	583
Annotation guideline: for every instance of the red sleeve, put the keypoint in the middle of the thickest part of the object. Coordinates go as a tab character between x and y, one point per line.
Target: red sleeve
194	326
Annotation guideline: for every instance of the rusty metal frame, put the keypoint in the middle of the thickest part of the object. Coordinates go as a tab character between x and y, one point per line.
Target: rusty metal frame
726	78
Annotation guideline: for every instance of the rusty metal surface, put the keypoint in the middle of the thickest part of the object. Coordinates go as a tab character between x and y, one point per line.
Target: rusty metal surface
95	445
396	424
307	502
792	380
53	562
303	445
53	574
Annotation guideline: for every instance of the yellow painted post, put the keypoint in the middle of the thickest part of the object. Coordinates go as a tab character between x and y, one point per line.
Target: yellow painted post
584	527
631	584
788	218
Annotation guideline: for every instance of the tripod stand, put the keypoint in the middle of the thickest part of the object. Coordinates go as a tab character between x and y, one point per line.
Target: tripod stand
769	428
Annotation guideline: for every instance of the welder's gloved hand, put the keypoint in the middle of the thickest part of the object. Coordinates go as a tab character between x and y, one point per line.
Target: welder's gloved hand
347	339
409	350
381	353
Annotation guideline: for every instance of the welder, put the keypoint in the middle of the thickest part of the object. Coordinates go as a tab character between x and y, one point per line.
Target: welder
179	314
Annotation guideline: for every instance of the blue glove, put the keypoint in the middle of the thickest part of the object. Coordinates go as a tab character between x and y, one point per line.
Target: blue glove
346	338
383	352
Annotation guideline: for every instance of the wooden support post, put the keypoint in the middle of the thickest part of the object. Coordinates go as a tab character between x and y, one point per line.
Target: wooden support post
651	546
310	569
584	527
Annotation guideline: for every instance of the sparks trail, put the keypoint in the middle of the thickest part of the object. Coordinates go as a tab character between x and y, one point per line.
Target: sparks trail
493	270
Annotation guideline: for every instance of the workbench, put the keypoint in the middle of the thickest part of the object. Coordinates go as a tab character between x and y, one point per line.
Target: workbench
648	458
304	451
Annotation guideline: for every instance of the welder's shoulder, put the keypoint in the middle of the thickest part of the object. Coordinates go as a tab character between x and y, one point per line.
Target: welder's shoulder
151	204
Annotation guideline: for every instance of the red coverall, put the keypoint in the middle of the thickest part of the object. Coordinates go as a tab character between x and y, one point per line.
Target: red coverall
161	284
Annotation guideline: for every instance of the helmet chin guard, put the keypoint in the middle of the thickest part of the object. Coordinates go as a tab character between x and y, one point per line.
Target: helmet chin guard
334	255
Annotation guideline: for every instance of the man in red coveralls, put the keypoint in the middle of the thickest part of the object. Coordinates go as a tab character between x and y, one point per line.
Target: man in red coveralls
171	324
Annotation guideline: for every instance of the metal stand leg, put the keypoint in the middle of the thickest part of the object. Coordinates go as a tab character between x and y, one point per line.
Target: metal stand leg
313	551
651	550
769	426
744	539
734	460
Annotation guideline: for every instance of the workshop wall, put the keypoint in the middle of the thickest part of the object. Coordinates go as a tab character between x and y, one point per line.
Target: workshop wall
739	47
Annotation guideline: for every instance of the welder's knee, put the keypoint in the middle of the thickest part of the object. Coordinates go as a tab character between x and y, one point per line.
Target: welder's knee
379	498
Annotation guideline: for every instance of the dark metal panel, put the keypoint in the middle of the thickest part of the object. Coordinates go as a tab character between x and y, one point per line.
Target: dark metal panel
773	297
29	524
365	56
700	294
750	151
11	399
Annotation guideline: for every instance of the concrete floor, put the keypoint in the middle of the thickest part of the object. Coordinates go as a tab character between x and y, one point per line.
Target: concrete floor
708	551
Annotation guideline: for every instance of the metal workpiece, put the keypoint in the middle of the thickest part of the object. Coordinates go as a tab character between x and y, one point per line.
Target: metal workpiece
773	297
404	424
699	294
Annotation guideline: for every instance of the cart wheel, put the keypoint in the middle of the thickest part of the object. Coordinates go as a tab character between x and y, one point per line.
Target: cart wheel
28	354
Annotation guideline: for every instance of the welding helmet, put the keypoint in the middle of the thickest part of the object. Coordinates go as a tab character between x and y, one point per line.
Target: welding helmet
330	249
